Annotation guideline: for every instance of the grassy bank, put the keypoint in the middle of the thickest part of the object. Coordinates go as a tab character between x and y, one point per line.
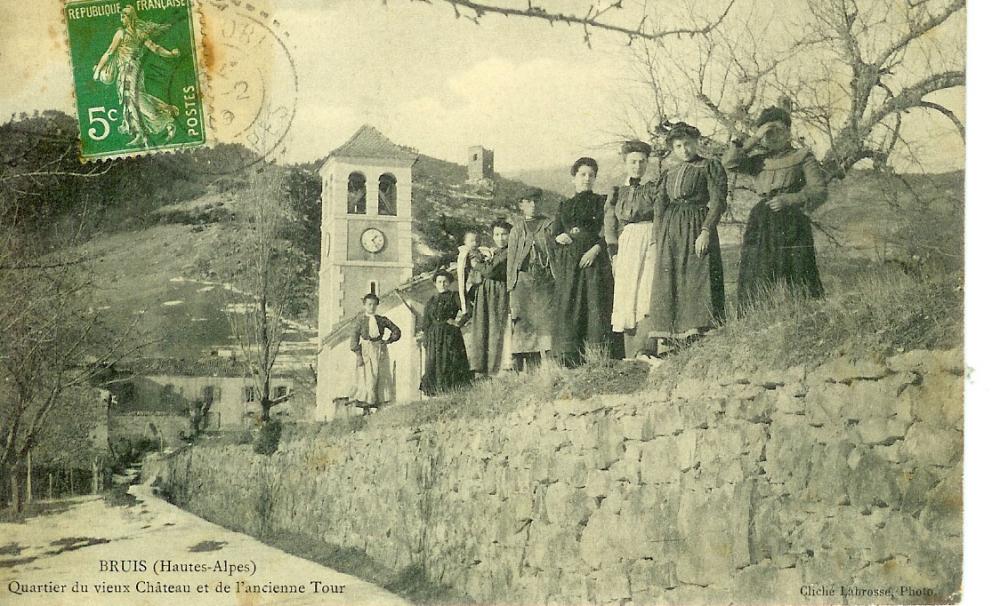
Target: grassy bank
873	310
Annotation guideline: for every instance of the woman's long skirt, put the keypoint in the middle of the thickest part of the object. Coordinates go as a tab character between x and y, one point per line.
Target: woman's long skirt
447	365
777	250
634	268
584	298
489	350
690	293
531	311
373	384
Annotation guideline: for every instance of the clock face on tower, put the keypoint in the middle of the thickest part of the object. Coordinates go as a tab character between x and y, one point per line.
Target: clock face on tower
372	240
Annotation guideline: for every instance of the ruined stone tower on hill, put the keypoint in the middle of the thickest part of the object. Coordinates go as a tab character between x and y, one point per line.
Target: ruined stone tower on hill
480	163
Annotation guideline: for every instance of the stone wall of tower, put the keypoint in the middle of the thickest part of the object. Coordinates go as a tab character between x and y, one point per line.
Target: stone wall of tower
346	269
480	163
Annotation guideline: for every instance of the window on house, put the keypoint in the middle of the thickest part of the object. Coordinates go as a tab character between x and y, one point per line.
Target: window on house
387	194
280	391
356	185
248	395
475	157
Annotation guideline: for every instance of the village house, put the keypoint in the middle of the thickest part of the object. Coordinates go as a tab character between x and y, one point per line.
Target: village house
157	402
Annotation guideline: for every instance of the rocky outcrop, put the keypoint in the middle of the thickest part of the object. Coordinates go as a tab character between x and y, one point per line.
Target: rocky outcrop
755	489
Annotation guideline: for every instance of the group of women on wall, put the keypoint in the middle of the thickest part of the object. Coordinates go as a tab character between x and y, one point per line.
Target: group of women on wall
618	272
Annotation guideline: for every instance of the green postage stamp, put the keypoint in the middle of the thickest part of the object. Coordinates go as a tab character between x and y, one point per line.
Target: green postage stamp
135	71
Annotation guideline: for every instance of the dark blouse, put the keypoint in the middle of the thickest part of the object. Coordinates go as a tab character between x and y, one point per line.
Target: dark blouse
442	308
582	218
795	172
627	204
699	182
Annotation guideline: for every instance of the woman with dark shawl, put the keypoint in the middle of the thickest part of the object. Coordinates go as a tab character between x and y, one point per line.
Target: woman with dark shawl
690	295
628	231
778	241
490	346
447	365
530	283
584	284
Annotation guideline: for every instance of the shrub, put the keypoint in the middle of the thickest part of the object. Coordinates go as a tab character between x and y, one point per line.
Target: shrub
268	437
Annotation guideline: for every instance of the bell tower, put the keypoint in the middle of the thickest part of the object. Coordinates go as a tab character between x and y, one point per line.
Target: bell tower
367	224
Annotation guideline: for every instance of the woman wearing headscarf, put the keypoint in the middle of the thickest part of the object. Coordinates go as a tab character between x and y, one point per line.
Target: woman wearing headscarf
584	283
529	282
688	279
778	244
628	231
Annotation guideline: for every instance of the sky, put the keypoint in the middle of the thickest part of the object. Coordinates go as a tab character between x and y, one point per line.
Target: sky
535	93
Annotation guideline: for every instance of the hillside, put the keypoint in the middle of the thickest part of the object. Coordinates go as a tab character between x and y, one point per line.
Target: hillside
160	234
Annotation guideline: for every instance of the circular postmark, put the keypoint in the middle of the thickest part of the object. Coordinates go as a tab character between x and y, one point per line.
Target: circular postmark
252	81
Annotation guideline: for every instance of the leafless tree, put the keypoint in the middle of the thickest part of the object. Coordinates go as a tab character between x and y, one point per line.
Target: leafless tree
54	343
852	71
265	284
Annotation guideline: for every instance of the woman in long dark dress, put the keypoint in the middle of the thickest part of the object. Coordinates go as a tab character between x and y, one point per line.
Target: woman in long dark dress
447	365
490	345
584	283
778	242
690	296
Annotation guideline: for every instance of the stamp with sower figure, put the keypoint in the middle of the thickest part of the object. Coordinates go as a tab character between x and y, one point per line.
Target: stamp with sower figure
135	72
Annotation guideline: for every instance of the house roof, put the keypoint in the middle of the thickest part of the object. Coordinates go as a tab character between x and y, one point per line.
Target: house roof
368	142
188	367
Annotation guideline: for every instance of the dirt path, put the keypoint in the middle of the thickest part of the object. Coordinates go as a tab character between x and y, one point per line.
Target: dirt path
43	559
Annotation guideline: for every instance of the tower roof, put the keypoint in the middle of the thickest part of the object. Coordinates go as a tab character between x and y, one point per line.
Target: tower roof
368	142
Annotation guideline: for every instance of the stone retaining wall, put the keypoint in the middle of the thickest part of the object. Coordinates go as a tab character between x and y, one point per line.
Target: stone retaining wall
771	488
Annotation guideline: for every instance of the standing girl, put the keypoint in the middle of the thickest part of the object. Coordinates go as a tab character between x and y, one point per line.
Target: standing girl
690	292
491	310
628	230
373	386
446	366
584	284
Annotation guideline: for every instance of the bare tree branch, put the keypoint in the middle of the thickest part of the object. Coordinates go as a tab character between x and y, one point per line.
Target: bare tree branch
594	18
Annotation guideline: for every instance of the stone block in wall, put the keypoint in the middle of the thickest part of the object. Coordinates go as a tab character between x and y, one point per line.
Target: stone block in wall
651	578
938	400
626	468
608	585
711	524
926	362
767	583
881	430
568	467
553	547
566	505
873	481
927	444
824	404
659	463
942	513
757	411
847	370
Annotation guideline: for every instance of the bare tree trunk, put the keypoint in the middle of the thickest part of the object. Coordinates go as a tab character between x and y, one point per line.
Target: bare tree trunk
16	498
27	483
